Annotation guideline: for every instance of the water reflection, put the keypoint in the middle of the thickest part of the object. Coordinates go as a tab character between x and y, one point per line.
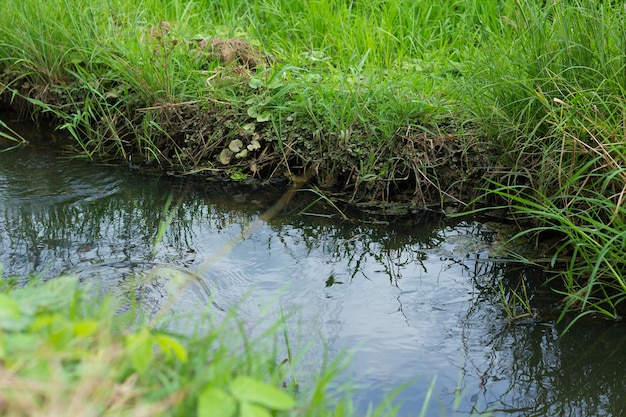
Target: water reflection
412	299
530	371
57	213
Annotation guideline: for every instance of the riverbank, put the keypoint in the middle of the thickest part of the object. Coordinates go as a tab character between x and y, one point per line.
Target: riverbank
347	91
390	100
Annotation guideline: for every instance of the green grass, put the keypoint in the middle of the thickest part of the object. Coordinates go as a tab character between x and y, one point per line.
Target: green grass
63	352
558	118
343	79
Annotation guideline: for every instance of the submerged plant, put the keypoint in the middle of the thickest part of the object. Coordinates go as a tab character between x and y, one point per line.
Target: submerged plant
516	304
6	132
321	197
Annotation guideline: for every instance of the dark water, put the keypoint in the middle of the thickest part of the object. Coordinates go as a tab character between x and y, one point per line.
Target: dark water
408	298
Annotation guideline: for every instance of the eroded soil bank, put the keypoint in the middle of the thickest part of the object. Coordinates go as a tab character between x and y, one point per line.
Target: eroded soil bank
254	135
431	168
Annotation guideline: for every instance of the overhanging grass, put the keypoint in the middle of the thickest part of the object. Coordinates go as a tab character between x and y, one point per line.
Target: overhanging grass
558	117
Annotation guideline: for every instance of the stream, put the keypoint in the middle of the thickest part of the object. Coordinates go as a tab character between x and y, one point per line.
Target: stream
409	298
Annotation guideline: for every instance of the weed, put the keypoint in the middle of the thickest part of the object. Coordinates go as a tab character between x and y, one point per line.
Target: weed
12	136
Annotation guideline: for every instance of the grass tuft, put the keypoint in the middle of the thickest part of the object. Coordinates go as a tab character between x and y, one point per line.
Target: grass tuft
65	353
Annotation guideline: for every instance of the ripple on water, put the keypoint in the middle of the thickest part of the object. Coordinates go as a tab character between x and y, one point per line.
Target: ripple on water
403	300
45	179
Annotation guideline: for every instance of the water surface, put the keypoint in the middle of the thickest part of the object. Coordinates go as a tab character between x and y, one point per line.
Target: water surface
408	297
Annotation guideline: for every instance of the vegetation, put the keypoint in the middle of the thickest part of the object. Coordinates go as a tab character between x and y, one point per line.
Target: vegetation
387	99
363	93
63	353
560	126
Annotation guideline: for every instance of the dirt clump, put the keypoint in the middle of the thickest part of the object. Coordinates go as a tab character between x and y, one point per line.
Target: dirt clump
235	52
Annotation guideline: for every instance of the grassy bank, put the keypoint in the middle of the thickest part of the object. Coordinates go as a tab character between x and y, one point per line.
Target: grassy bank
63	353
558	115
383	99
364	94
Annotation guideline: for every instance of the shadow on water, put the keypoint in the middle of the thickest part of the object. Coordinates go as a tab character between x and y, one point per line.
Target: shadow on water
411	299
